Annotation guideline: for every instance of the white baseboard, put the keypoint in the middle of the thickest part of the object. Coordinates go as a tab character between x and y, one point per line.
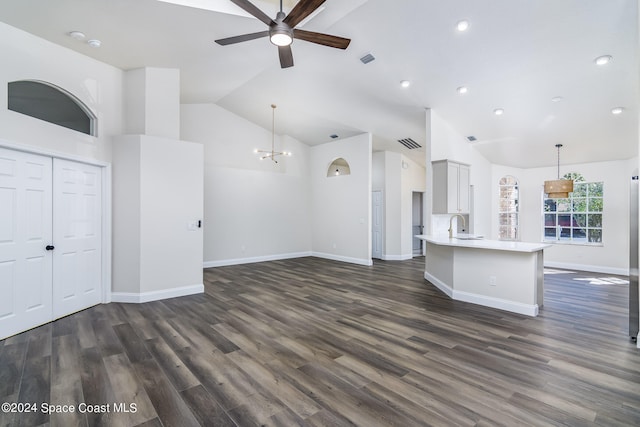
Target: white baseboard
439	284
397	257
367	262
250	260
132	297
502	304
586	267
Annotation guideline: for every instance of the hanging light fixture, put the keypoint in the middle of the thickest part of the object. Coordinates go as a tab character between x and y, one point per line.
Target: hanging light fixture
272	154
558	188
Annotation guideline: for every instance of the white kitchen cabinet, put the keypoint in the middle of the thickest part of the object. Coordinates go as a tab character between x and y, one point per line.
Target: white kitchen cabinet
450	187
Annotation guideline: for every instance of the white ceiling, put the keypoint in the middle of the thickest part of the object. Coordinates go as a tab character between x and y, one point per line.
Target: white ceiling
516	55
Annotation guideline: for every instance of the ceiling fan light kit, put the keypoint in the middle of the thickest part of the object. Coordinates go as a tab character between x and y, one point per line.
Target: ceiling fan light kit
282	29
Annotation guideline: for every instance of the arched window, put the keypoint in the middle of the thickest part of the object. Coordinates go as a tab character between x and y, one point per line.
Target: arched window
339	167
508	209
51	103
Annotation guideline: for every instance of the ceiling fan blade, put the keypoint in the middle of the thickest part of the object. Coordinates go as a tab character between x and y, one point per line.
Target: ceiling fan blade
323	39
301	10
253	10
242	38
286	56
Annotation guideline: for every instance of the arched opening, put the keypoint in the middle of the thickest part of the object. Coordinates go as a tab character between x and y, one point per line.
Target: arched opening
339	167
52	104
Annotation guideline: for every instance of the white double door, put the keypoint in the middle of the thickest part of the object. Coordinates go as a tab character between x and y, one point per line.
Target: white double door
50	239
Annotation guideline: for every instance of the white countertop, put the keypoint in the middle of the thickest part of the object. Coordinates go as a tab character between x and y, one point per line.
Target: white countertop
498	245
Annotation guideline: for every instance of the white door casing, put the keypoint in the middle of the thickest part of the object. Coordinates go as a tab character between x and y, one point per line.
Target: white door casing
77	223
25	232
376	224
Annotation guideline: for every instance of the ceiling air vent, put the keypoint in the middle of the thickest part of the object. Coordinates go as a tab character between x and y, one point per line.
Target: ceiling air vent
409	143
367	58
471	138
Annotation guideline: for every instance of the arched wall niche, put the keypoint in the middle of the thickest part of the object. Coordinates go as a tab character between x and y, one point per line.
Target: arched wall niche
338	167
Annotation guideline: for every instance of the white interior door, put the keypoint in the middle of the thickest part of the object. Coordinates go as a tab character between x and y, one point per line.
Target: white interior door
77	234
25	232
376	224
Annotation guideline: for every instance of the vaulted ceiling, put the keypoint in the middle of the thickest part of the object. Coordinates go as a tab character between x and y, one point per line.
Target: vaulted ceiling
534	59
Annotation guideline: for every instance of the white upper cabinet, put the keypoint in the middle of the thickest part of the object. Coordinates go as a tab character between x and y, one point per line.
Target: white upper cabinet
450	187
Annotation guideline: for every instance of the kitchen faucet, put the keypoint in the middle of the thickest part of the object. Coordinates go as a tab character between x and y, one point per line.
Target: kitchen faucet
451	224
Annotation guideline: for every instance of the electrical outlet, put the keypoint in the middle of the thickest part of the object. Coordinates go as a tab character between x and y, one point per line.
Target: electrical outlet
492	280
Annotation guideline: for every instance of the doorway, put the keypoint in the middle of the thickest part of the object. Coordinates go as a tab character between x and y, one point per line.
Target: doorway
417	222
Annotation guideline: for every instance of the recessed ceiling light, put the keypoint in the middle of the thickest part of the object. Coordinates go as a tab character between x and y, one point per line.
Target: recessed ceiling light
94	43
498	111
462	90
405	83
603	60
462	25
617	110
78	35
557	99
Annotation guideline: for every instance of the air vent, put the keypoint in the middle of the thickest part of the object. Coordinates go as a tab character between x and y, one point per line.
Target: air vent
367	58
471	138
334	136
409	143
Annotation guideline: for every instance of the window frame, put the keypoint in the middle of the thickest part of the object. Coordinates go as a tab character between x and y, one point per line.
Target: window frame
584	211
513	235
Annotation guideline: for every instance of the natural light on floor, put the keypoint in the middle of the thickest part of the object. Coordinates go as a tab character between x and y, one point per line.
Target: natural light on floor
603	280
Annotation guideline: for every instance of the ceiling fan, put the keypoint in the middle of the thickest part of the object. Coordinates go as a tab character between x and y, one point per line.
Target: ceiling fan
282	29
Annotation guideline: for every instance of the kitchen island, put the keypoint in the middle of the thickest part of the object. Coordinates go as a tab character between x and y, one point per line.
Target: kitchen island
499	274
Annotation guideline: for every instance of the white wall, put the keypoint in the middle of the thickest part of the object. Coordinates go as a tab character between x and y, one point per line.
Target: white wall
392	199
96	84
341	205
157	200
447	143
152	102
253	210
613	255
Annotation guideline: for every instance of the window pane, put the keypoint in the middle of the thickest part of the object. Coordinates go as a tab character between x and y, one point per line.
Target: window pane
579	190
564	220
579	220
579	234
550	233
595	220
595	205
550	205
595	189
579	204
565	233
564	205
595	236
550	220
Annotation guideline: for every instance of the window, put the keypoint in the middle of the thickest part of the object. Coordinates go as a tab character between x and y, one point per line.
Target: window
508	208
577	219
50	103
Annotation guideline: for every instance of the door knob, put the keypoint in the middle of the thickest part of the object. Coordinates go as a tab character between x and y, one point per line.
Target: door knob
50	247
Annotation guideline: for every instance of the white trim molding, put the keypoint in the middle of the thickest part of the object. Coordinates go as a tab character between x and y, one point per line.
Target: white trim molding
501	304
251	260
397	257
132	297
359	261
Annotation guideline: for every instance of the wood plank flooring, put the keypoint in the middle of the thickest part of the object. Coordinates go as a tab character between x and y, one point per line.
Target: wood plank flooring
312	342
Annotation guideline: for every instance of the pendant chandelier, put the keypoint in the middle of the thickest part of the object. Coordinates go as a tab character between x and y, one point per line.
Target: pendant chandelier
272	154
558	188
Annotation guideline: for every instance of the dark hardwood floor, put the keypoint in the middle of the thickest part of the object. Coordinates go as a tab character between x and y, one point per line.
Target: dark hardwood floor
312	342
